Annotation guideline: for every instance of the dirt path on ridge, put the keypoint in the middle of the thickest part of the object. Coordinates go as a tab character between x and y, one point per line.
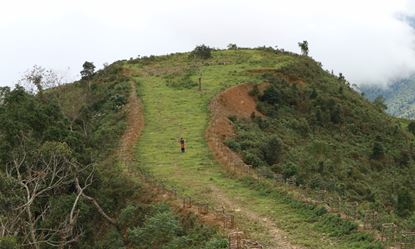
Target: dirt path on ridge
234	97
135	125
236	101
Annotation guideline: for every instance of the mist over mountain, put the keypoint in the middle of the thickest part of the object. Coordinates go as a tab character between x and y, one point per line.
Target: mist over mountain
399	96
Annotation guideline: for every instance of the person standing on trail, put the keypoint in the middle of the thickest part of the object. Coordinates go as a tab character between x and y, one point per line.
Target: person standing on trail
182	145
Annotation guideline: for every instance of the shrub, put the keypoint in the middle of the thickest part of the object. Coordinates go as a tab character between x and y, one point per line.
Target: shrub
232	46
411	127
289	169
271	96
158	230
202	52
216	244
8	243
232	144
378	151
183	82
405	203
265	172
272	149
131	215
112	239
252	159
254	91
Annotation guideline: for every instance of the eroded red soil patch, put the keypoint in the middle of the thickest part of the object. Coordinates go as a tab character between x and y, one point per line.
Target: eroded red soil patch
234	101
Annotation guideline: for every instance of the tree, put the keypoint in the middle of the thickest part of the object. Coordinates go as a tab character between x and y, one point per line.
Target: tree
202	52
336	114
289	169
39	168
271	95
232	46
39	173
304	47
405	203
379	102
157	231
378	151
39	78
272	149
88	70
313	94
411	127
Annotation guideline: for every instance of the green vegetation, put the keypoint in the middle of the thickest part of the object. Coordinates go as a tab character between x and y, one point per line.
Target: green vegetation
163	229
174	112
88	70
398	96
50	144
202	52
304	47
331	139
58	152
60	146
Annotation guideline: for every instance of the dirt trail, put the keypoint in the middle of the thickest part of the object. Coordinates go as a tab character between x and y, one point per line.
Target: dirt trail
135	125
279	237
236	101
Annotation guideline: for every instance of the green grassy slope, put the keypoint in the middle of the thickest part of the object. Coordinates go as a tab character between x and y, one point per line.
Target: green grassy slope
172	112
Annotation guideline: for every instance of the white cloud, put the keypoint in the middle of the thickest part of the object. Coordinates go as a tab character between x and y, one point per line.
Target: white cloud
362	39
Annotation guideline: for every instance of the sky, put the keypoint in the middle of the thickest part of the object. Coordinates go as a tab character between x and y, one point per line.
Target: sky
369	41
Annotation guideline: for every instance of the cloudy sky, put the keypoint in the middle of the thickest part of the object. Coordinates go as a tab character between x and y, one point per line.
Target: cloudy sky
370	41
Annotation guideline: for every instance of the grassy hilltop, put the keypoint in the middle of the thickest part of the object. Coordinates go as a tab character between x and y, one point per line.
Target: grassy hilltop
315	131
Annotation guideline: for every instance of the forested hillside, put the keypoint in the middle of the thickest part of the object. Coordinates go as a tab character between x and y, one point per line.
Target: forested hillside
398	97
325	136
61	182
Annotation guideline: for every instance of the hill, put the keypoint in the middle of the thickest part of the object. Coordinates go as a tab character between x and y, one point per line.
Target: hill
398	97
175	106
278	152
62	182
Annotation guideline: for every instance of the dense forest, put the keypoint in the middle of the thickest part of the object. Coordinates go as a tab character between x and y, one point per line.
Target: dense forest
61	183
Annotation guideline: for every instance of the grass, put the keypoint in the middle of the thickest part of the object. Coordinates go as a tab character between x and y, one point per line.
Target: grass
173	113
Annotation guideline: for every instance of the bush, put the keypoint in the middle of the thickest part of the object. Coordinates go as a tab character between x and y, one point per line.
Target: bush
411	127
265	172
254	91
272	149
289	169
8	243
131	215
158	230
216	244
183	82
405	203
271	96
233	145
112	239
378	151
252	159
202	52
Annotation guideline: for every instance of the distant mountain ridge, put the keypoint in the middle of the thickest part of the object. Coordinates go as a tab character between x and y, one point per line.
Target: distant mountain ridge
399	97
